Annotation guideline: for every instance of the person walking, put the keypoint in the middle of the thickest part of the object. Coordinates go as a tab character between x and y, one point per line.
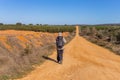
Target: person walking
60	41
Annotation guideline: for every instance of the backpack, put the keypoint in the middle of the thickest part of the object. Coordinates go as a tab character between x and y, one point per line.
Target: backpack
59	42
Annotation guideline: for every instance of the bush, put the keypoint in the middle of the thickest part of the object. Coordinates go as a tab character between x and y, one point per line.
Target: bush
106	36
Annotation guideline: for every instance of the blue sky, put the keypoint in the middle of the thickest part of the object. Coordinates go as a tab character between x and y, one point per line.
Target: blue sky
60	11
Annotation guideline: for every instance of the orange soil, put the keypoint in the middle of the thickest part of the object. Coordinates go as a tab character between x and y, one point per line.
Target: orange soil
82	61
36	37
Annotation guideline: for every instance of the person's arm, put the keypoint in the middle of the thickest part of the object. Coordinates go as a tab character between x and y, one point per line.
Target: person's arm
56	40
64	40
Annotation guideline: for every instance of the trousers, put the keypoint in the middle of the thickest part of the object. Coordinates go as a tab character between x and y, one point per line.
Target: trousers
59	55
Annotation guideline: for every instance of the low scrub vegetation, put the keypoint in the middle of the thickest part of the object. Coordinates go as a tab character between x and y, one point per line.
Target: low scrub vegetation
39	28
106	36
21	52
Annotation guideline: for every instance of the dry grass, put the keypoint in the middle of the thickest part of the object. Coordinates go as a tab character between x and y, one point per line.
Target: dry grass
20	50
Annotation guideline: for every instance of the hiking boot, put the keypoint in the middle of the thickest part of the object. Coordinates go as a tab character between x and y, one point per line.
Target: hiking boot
60	62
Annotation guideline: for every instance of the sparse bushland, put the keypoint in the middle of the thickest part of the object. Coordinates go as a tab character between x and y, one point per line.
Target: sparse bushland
22	51
39	28
106	36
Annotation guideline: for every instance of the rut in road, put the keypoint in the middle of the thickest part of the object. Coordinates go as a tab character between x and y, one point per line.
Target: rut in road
82	61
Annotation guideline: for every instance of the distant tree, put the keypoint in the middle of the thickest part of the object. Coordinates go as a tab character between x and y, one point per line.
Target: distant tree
40	24
1	24
65	24
37	24
31	24
19	24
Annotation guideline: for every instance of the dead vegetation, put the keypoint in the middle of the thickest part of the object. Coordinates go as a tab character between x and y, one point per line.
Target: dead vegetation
106	36
20	51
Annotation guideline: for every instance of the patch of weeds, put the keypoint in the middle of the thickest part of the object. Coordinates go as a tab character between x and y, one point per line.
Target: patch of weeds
27	51
4	77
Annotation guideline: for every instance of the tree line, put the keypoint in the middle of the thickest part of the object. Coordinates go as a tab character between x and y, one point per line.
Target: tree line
38	27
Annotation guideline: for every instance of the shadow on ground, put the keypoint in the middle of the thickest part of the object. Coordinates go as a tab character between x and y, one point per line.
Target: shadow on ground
48	58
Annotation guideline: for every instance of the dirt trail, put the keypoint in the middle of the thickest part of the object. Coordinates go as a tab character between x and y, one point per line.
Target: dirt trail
82	61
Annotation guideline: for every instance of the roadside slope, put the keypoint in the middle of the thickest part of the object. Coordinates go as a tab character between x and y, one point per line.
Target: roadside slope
19	50
82	61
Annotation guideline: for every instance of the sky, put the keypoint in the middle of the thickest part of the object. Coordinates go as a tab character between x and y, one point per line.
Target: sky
60	11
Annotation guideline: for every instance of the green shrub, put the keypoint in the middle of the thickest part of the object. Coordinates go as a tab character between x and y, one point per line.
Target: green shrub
38	28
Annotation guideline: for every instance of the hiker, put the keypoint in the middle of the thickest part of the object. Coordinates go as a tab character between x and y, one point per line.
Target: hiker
60	41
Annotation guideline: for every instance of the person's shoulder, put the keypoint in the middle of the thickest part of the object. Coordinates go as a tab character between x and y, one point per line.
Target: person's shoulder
63	37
